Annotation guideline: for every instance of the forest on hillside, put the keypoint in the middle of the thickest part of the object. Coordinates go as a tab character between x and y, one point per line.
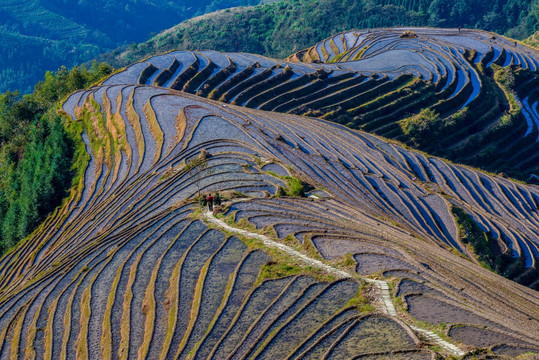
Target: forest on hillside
40	153
281	28
36	36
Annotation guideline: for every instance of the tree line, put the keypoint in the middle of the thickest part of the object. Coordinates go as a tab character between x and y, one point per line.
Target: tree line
36	151
278	29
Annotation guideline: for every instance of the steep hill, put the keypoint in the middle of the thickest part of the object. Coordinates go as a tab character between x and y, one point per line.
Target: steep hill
532	40
486	116
481	89
283	27
36	36
131	267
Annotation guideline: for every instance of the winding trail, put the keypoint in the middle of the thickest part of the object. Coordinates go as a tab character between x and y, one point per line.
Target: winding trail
438	340
276	245
382	285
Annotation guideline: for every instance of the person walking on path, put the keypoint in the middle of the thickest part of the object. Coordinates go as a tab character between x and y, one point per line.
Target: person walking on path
460	27
217	200
209	199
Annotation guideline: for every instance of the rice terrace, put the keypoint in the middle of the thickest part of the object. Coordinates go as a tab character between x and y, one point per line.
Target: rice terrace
378	202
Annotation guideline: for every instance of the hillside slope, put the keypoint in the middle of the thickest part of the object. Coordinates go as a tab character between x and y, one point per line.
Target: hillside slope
481	89
36	36
129	269
283	27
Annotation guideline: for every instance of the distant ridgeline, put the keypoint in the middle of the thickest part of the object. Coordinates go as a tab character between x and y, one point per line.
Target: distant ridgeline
127	268
39	36
481	90
36	36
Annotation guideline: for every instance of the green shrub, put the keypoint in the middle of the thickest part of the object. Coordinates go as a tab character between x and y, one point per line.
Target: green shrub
423	128
295	187
275	270
479	242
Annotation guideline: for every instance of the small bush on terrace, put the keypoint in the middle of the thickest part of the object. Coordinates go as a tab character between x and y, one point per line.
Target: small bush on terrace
479	242
275	270
408	34
294	186
422	128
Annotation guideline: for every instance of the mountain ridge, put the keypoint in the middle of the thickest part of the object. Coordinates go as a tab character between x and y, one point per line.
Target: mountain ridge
456	87
53	33
276	30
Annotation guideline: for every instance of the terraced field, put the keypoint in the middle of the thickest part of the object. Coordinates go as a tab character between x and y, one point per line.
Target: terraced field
483	87
130	268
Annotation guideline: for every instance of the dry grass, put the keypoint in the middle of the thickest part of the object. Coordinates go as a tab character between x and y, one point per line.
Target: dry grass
134	121
82	338
106	337
155	128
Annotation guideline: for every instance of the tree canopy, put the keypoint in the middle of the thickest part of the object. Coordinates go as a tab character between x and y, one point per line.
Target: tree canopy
281	28
36	151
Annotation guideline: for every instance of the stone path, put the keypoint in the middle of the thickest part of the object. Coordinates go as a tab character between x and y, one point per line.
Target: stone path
386	296
382	285
432	337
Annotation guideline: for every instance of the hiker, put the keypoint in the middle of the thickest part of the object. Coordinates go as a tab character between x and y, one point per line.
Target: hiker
209	199
217	199
460	27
